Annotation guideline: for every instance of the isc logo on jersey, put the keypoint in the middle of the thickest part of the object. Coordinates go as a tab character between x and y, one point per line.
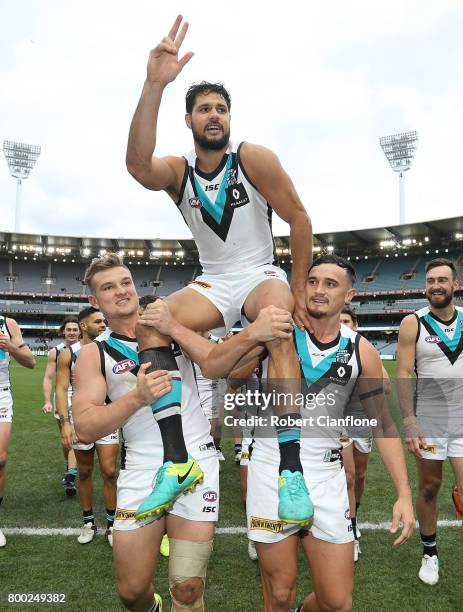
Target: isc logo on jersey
121	367
432	339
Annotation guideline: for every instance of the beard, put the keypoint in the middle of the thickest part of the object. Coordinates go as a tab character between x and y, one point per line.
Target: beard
211	144
316	314
442	301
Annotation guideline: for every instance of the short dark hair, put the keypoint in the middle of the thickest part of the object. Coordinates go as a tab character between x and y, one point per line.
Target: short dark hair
66	320
86	312
202	89
441	261
147	299
348	310
337	261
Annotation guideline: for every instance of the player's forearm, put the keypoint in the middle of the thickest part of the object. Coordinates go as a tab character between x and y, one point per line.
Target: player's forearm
392	456
61	402
225	357
23	356
406	394
47	389
142	134
215	361
301	249
94	422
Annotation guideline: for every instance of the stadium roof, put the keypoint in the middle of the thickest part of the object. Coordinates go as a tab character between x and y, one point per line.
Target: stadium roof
439	232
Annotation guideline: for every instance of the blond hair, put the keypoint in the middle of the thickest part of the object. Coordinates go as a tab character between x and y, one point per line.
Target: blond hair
100	264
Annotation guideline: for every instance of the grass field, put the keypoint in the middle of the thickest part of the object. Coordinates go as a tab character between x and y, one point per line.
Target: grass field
386	579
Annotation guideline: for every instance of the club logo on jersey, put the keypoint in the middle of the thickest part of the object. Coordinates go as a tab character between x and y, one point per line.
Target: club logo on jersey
237	195
231	177
210	496
121	367
432	339
195	202
342	356
266	524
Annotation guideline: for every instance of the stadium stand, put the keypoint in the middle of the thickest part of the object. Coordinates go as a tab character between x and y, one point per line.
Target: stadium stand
41	276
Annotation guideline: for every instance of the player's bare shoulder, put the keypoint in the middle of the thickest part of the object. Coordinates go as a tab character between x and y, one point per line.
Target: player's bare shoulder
408	328
258	159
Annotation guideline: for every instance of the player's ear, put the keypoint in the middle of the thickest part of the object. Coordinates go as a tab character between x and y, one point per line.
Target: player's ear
188	120
350	295
93	301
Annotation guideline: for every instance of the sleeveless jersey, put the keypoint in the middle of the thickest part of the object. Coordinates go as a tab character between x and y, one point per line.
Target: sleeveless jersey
142	442
59	348
439	360
229	219
329	373
74	348
4	356
207	388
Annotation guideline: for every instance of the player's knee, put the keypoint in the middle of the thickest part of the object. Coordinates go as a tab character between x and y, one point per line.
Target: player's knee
131	592
187	572
360	476
3	459
85	473
188	592
282	596
335	602
108	473
431	488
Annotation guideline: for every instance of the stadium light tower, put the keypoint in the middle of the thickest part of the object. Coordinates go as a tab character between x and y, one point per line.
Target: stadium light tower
400	150
21	159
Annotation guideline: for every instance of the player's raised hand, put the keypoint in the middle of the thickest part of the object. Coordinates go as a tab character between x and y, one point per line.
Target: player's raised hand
164	64
300	310
158	315
150	387
402	512
272	323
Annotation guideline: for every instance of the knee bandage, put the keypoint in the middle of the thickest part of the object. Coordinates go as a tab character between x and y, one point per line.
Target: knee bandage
188	560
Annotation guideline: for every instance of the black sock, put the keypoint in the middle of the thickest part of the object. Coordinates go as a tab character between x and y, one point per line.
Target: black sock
88	516
166	410
290	456
172	439
1	499
429	544
357	505
353	520
238	448
110	518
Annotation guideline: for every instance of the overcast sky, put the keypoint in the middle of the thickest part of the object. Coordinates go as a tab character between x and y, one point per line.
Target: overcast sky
317	82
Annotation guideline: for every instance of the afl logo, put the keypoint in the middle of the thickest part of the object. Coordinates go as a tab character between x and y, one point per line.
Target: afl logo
195	202
210	496
121	367
432	339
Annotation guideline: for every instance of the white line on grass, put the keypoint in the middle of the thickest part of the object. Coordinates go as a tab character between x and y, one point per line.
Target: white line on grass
30	531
